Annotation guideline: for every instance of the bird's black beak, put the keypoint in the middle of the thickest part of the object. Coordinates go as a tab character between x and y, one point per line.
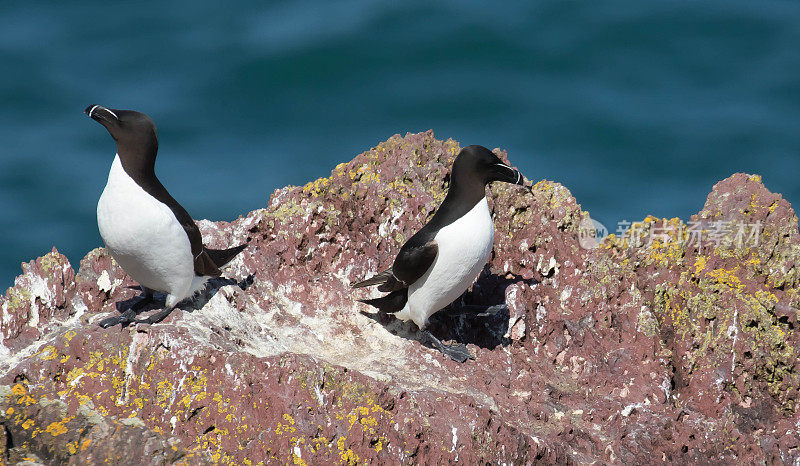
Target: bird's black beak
102	115
506	174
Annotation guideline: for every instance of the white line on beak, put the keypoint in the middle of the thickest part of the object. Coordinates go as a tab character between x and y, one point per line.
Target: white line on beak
92	110
115	115
512	170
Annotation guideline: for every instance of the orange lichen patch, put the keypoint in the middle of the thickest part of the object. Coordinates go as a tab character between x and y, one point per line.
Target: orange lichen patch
164	391
96	360
21	392
197	383
72	447
728	278
347	455
699	265
543	185
364	174
399	186
773	206
665	253
74	375
286	428
365	415
211	441
379	444
317	187
57	428
671	303
767	299
138	403
48	353
318	442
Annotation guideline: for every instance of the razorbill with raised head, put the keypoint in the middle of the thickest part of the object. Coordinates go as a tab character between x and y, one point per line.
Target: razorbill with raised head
439	263
146	231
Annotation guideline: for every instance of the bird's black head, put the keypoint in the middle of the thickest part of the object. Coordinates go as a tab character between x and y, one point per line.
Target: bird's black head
477	164
473	169
134	132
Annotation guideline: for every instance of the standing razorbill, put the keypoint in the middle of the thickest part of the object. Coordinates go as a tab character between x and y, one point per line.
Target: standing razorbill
146	231
444	257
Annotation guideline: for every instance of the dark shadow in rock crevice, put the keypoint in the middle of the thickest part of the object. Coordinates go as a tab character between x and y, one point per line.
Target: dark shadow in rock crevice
212	287
139	304
486	331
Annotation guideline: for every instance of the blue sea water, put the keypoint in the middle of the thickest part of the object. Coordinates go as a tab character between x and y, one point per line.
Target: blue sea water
637	107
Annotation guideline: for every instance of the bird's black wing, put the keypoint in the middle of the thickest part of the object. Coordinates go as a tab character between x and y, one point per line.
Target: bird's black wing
203	263
414	259
206	261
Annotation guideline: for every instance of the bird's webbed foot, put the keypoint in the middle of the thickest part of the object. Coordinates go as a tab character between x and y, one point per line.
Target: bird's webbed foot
128	316
476	310
457	352
155	318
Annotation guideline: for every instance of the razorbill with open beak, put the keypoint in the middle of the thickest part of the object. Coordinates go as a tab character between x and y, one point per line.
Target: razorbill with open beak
146	231
439	263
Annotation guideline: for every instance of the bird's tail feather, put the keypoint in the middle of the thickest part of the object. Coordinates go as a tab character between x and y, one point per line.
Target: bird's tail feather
223	256
391	303
378	279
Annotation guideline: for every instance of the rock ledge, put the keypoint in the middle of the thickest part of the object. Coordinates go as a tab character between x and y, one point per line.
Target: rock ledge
651	347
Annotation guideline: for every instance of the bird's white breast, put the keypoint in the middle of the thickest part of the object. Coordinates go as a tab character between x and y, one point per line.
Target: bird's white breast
143	235
464	246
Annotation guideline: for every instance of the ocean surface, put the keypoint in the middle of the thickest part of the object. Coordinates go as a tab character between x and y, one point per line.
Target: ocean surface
637	107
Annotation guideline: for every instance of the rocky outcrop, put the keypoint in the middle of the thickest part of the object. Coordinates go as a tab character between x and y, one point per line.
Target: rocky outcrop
676	342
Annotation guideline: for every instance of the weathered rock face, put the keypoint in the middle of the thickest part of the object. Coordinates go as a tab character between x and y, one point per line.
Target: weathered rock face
652	347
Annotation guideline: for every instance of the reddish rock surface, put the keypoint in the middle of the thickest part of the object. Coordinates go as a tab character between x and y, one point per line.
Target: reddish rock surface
650	348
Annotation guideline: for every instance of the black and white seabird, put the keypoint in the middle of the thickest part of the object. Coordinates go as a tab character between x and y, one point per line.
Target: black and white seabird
146	231
439	263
